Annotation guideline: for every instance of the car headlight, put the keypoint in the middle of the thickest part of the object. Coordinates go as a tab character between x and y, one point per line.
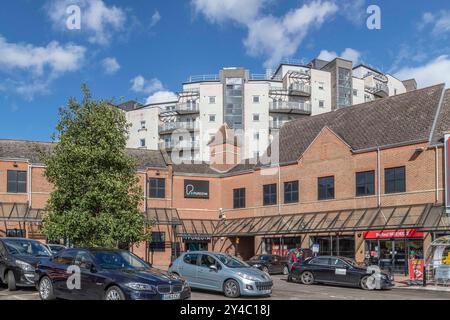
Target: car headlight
246	276
25	266
141	286
256	265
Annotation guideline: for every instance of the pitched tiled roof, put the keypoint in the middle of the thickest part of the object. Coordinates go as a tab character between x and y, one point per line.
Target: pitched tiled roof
443	120
29	150
394	120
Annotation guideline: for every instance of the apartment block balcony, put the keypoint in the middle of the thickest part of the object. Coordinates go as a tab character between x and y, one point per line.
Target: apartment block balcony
169	127
380	90
181	109
181	145
300	89
299	107
276	125
203	78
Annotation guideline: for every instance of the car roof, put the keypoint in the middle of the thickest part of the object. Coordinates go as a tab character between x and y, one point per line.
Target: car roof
14	238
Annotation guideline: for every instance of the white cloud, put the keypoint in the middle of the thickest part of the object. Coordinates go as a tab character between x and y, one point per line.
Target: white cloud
142	85
236	10
28	69
434	72
57	58
99	20
440	22
156	17
348	54
162	96
272	37
110	65
354	11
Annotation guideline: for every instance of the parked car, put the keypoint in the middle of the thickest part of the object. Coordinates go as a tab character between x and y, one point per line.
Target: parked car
269	263
304	254
55	248
106	274
223	273
337	270
18	260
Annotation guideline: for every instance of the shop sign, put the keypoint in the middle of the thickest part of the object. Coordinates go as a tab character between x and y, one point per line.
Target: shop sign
315	248
195	238
196	189
447	172
390	234
280	250
416	268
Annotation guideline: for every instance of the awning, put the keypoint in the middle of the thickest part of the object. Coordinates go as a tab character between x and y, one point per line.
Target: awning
426	217
163	216
193	228
20	212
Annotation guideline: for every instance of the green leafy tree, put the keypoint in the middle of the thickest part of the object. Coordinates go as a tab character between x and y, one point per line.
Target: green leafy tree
97	194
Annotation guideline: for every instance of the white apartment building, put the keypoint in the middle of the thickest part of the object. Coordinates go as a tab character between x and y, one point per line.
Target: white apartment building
255	105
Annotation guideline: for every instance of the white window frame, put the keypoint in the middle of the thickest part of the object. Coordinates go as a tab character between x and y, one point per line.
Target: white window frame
257	115
213	116
212	99
259	99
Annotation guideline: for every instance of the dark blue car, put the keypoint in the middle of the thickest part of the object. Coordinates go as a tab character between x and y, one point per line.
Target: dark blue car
105	274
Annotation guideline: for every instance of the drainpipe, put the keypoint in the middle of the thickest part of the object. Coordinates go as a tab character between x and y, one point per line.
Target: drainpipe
437	172
145	192
279	189
379	177
30	190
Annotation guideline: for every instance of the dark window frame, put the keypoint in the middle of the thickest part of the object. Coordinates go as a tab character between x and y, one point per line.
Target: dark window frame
291	195
158	243
270	194
390	186
320	195
14	184
366	184
157	191
239	198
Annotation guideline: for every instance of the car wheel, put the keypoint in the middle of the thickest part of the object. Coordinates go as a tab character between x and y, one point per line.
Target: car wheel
11	281
231	289
285	270
114	293
289	278
265	269
307	278
46	289
364	283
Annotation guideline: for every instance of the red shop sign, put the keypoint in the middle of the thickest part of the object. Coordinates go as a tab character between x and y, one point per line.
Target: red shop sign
389	234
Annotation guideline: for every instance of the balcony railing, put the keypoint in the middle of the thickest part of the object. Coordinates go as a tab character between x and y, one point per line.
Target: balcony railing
300	89
302	106
268	77
181	144
276	125
380	90
171	126
204	77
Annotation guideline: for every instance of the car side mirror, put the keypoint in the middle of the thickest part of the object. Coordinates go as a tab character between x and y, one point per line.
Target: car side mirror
213	268
92	268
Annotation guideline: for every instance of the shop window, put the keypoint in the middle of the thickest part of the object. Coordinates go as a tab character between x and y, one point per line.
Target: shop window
270	194
394	180
16	181
158	242
365	183
15	233
291	192
326	188
343	246
239	198
157	187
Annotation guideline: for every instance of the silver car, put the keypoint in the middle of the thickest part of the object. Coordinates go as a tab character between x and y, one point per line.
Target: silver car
221	272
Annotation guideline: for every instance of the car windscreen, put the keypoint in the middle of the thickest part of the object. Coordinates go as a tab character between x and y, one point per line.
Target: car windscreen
26	247
231	262
119	260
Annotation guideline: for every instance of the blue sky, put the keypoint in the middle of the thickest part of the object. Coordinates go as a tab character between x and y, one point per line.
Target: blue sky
144	49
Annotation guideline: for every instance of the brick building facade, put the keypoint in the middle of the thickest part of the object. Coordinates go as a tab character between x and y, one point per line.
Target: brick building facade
365	181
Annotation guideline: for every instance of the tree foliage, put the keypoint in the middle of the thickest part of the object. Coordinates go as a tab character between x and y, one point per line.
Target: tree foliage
96	194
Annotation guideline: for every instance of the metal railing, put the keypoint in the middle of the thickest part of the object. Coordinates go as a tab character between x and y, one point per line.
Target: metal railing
290	105
300	87
379	87
181	144
170	126
204	77
276	124
268	77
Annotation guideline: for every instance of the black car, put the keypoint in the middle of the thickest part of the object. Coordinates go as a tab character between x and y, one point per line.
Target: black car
55	248
338	270
105	274
269	263
18	259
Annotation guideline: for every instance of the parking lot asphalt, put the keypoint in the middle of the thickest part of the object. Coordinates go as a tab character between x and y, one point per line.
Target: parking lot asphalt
284	290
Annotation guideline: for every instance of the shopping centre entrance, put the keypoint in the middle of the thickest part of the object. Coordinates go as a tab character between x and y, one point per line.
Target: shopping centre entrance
391	250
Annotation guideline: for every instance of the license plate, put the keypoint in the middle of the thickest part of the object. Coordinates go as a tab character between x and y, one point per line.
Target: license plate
173	296
266	291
